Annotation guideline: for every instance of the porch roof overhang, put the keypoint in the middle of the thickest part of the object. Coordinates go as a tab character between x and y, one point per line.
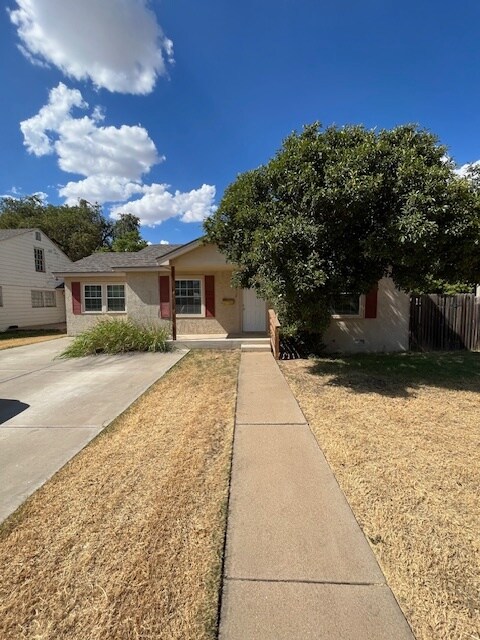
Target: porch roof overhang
176	253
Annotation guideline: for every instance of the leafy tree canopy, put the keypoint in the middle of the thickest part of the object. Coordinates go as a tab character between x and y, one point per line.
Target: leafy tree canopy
126	234
338	208
78	230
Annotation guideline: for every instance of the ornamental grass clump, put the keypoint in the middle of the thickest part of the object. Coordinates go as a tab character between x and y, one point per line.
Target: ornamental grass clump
118	336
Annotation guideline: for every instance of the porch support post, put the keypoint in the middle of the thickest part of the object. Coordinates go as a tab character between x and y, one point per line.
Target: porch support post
173	305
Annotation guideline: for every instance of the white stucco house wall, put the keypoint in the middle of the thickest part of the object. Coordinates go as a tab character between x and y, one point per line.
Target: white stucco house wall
30	294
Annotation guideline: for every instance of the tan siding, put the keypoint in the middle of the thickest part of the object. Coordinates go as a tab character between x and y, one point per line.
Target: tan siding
387	332
227	316
202	259
82	322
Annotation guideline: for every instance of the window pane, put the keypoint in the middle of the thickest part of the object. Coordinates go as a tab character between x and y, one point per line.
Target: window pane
188	297
39	259
93	297
37	299
115	297
50	298
346	304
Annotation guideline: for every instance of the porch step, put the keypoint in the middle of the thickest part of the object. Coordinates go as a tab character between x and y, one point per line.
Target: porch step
249	346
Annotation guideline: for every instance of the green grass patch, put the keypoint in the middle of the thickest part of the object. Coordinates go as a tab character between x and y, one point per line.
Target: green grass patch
389	371
117	336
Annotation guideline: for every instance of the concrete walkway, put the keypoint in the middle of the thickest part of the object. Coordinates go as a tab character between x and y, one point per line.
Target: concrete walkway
50	409
297	564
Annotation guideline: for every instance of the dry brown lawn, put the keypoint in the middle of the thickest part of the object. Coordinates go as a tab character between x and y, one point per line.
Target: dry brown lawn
402	434
21	342
126	541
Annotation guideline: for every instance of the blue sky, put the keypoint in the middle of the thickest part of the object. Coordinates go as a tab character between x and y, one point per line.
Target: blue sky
183	95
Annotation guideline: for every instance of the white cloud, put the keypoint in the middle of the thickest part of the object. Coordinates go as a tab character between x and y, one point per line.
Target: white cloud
118	44
158	204
465	169
111	160
49	119
164	242
100	188
84	147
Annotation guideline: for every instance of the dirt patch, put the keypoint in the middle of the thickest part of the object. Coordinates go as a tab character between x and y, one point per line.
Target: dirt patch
403	438
126	541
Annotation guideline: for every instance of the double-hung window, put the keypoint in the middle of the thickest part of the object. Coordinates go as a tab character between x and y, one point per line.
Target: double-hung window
103	298
188	297
115	297
93	297
39	255
346	304
42	299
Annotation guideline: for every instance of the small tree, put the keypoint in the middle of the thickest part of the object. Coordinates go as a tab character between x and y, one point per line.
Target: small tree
126	234
338	208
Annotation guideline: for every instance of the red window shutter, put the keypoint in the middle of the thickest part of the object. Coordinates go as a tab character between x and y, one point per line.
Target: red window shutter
76	298
371	301
164	284
210	296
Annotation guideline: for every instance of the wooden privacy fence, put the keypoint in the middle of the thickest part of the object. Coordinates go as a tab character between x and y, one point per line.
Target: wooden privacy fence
445	323
274	331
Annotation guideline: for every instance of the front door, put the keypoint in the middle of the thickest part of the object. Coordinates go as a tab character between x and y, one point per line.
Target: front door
254	312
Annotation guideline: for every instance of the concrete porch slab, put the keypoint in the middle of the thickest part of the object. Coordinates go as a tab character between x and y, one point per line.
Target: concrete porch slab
300	611
288	518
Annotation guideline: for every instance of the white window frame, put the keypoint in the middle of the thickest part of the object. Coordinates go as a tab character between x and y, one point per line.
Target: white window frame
104	310
352	316
42	250
201	279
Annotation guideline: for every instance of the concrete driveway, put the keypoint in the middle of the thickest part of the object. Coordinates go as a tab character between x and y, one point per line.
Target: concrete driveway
50	409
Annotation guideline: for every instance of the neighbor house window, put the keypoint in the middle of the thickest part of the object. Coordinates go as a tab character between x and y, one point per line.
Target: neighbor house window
346	304
43	299
50	299
188	297
1	297
38	236
39	259
103	298
37	299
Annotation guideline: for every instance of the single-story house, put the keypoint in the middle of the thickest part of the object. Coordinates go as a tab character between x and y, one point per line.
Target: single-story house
188	288
30	294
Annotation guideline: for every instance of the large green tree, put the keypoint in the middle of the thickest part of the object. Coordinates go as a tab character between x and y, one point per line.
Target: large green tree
338	208
78	230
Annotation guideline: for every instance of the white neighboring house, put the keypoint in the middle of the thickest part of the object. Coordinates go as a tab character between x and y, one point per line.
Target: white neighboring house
30	295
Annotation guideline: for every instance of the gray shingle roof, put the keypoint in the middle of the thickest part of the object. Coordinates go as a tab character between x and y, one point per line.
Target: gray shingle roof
5	234
103	262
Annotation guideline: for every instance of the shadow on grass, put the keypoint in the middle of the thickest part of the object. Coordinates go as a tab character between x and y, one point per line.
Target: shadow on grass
397	375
